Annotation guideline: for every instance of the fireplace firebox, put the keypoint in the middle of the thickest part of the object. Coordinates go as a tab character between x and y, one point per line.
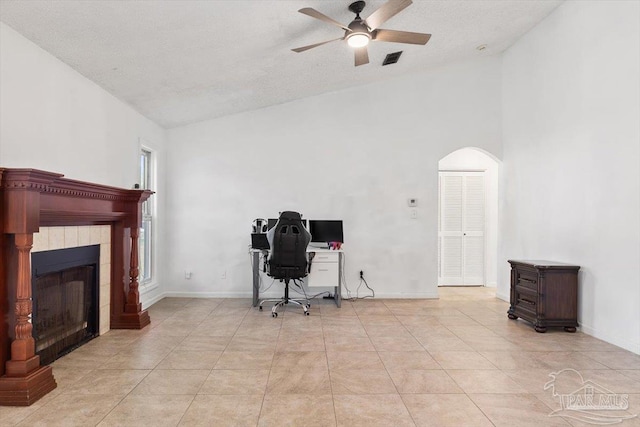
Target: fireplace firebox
65	299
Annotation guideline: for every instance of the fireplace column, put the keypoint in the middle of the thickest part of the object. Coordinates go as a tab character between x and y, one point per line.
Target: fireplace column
23	354
24	380
133	316
133	305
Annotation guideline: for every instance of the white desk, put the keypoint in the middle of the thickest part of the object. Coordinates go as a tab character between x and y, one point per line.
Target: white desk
326	271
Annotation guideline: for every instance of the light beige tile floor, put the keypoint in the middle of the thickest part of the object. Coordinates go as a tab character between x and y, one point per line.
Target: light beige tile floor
454	361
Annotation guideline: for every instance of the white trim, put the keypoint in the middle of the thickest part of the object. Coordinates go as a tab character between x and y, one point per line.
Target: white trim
413	295
611	338
148	287
143	145
151	301
247	294
503	297
409	295
461	169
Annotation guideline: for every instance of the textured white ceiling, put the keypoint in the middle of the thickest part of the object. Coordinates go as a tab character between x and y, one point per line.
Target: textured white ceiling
179	62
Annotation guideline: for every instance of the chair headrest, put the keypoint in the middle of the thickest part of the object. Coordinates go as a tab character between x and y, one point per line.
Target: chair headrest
290	215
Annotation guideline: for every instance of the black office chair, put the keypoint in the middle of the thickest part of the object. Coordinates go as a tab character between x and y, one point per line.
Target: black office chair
287	261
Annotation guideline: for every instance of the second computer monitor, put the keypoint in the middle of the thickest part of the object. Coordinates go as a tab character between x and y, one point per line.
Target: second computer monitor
326	231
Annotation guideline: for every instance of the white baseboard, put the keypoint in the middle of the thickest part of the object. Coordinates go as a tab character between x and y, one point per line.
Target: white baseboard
148	303
148	287
503	297
614	339
248	294
413	295
400	295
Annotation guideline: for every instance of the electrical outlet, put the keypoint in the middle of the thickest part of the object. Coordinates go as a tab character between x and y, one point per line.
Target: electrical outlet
187	274
414	213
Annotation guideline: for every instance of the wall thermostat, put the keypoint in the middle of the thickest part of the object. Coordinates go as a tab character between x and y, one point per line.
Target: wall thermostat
412	202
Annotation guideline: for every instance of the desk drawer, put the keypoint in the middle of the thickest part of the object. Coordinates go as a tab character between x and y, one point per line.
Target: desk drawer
325	257
323	274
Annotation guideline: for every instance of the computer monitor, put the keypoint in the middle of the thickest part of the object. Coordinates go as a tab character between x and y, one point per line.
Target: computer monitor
326	231
271	222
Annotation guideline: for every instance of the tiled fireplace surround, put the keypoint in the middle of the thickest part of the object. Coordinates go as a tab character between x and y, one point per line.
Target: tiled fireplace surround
53	238
43	211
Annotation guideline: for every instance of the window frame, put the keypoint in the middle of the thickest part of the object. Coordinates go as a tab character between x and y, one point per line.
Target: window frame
146	251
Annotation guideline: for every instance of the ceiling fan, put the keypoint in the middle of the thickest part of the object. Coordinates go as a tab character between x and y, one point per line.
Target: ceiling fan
360	31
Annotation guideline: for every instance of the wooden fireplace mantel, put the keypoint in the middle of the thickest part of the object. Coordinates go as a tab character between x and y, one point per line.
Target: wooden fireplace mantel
30	199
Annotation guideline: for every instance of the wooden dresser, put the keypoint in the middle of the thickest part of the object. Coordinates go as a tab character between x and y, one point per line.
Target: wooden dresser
545	293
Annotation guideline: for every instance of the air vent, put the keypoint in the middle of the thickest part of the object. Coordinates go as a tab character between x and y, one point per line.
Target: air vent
392	58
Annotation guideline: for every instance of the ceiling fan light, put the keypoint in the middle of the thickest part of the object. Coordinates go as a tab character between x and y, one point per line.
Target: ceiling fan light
358	39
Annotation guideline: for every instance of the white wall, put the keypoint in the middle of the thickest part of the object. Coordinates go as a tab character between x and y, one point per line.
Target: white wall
474	159
355	155
571	102
52	118
571	179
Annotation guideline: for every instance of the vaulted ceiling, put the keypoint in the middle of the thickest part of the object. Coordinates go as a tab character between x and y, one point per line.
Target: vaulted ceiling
179	62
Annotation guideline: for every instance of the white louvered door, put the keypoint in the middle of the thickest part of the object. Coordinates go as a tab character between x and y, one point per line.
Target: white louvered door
461	229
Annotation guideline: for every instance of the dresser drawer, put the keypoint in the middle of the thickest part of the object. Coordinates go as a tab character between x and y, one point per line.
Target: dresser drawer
526	301
526	298
325	257
528	281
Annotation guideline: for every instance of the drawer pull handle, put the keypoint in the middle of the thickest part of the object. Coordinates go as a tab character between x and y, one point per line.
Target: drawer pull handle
526	301
323	269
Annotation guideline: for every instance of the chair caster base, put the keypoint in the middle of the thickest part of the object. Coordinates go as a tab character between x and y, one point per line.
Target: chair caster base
304	304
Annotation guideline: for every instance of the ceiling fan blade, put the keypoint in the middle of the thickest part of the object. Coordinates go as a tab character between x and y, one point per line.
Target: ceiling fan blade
315	14
385	12
311	46
401	37
362	55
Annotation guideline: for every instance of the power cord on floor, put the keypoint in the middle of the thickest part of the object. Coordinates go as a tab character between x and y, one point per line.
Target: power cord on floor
362	280
305	293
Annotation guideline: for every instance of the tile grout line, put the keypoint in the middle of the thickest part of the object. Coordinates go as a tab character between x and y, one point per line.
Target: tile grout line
210	370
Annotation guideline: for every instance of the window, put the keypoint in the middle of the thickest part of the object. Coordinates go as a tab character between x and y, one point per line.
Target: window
145	240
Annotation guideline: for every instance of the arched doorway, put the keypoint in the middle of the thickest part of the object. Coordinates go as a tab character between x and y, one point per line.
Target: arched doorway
468	218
